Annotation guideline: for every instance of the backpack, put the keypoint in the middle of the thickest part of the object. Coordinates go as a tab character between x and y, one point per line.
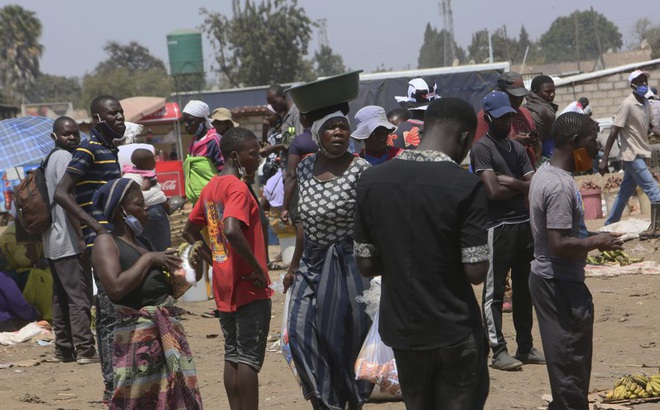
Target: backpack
33	207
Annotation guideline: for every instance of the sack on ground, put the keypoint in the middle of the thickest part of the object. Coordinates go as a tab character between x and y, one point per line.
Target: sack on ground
376	363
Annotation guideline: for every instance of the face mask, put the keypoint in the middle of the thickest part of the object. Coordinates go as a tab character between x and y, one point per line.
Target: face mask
241	169
581	160
106	130
200	129
134	224
641	90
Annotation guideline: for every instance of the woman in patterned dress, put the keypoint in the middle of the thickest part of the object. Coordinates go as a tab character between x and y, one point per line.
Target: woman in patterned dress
327	325
152	363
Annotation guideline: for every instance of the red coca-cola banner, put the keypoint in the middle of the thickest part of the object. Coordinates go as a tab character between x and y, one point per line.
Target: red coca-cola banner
169	113
170	177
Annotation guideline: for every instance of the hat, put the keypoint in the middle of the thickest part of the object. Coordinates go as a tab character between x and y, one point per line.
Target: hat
110	195
413	100
512	83
223	114
367	119
636	74
497	104
198	109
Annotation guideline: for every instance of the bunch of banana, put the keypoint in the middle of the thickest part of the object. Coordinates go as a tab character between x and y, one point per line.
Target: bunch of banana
608	257
635	387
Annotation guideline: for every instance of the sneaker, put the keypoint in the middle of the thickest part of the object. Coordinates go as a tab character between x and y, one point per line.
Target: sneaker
531	357
89	359
507	306
60	358
504	361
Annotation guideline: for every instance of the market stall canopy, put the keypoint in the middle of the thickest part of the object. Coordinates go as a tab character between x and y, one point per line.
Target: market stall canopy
169	113
136	108
25	140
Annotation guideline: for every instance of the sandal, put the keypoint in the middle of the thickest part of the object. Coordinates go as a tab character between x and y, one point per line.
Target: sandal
274	266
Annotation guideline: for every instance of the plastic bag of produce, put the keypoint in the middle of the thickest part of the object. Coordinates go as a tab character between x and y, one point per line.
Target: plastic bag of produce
286	348
376	363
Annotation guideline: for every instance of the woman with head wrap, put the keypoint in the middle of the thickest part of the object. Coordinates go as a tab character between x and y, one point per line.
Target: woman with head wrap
204	158
326	325
152	363
206	141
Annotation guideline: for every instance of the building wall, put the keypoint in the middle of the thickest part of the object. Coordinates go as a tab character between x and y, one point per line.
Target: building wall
604	93
252	121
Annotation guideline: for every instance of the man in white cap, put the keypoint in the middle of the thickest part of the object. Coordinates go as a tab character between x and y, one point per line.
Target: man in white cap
374	129
206	142
419	96
632	124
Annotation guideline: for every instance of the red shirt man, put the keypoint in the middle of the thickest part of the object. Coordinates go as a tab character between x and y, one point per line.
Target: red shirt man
227	196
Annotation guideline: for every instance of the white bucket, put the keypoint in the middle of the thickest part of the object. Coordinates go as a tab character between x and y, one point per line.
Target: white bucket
287	247
197	293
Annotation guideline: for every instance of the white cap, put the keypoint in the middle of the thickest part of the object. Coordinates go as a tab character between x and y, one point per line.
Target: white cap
636	74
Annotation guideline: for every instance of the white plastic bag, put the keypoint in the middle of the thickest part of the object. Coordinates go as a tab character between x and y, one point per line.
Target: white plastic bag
286	348
376	363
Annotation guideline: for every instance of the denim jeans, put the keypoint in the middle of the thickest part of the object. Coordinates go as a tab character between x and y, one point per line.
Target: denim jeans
636	173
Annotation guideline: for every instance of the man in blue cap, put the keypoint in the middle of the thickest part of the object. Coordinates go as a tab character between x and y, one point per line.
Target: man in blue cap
506	172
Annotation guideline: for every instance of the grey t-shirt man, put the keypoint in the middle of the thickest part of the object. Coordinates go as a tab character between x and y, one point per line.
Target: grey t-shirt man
61	239
291	125
555	203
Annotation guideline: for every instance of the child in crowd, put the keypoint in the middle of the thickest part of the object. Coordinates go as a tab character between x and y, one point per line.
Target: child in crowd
143	172
229	210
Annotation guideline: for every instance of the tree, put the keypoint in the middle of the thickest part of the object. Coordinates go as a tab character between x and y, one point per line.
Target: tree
20	51
328	63
55	88
129	71
653	38
261	43
478	48
432	52
640	29
132	56
581	35
504	47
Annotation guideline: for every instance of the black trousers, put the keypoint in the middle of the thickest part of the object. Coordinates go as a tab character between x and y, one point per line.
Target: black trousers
72	301
450	378
565	313
512	248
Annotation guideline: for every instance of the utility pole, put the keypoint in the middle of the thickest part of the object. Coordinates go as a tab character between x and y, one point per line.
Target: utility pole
577	40
448	20
595	23
323	33
490	47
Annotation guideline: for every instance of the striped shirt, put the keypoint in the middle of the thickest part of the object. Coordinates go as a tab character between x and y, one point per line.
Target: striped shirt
95	162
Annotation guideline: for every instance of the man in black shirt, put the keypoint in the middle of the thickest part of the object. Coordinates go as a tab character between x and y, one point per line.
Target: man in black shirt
429	245
504	168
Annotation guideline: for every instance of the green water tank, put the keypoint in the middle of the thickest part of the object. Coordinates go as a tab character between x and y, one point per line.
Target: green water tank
184	48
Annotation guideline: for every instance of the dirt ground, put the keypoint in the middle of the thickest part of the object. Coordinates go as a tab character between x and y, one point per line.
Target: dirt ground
626	340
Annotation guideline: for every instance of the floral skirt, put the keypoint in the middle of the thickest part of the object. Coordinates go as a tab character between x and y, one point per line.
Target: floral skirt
152	362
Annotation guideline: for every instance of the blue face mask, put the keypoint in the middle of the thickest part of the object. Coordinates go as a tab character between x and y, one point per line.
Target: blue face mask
641	90
200	129
134	224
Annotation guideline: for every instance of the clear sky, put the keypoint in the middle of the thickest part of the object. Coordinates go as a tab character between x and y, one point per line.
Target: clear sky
367	33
